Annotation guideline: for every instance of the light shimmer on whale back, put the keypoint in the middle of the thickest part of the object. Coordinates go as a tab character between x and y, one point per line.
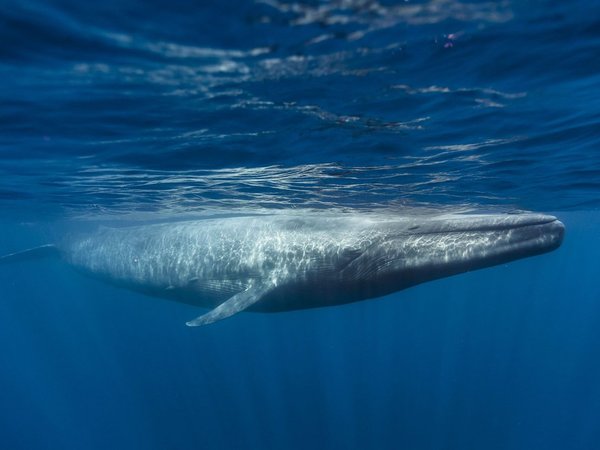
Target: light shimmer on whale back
220	257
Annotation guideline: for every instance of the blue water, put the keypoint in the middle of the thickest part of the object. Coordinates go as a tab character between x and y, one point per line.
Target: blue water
127	111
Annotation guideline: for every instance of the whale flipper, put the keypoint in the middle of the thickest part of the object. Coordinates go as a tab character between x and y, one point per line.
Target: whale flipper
43	251
233	305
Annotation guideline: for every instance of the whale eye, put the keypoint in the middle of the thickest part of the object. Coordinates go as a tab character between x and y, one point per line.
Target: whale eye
413	227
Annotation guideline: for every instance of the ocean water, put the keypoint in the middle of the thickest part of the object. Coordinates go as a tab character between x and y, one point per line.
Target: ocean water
128	111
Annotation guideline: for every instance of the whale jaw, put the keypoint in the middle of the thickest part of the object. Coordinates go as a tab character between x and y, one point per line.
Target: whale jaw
458	245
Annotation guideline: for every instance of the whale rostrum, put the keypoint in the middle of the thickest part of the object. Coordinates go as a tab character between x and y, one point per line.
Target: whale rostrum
283	262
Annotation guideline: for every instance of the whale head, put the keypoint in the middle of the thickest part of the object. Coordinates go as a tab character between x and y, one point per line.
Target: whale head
425	249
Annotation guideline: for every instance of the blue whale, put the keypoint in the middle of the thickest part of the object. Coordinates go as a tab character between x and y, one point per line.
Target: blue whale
284	262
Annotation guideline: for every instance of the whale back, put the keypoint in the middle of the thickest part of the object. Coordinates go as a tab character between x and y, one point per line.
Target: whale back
207	261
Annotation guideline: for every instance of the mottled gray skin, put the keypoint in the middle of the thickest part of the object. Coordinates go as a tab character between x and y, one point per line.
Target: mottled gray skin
305	261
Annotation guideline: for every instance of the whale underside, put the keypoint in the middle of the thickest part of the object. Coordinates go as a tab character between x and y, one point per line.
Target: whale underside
285	262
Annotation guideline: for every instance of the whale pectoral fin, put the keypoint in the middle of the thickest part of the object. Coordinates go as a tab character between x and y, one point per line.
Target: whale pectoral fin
234	305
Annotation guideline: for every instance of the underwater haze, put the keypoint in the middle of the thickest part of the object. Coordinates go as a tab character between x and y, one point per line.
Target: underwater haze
131	112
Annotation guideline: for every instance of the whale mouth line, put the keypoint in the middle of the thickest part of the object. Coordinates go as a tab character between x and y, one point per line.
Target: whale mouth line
540	221
543	222
527	222
517	226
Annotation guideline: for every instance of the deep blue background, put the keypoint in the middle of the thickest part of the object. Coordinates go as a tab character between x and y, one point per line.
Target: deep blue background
505	358
126	110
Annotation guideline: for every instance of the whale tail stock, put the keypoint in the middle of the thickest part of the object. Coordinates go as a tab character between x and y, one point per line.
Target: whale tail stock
43	251
235	304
